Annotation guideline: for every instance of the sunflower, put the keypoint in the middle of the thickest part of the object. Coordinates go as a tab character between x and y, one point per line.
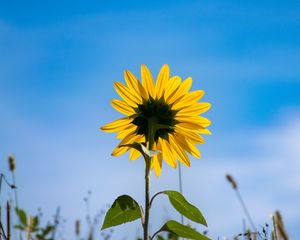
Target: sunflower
169	104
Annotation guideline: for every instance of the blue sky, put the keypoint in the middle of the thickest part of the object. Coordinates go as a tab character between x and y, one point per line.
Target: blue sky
58	62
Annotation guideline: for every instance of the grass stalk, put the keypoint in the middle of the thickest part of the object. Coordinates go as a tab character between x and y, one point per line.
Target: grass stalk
274	234
0	224
8	221
180	187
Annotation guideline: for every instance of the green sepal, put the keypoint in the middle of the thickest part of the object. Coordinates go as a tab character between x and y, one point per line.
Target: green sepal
124	209
142	149
184	207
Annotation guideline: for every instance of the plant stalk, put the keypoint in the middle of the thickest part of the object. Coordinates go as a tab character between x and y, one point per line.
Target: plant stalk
8	221
245	210
2	231
180	188
275	228
147	179
147	198
0	225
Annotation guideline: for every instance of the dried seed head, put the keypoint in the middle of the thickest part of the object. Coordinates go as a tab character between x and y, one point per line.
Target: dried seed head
278	216
77	227
12	162
232	181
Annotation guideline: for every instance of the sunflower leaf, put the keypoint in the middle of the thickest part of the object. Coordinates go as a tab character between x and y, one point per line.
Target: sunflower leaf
124	209
182	230
184	207
159	237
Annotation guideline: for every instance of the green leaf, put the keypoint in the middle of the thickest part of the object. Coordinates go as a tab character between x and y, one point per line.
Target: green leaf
124	209
22	216
182	230
185	208
172	236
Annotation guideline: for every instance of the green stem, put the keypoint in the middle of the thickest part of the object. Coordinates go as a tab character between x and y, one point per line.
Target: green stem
147	179
155	234
147	197
154	197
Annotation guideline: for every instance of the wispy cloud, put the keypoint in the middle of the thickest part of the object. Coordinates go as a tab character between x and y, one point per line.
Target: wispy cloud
56	75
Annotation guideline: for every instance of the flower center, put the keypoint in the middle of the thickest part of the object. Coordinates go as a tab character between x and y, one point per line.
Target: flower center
159	113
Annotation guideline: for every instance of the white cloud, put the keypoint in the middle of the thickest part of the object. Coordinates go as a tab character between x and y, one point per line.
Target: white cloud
267	178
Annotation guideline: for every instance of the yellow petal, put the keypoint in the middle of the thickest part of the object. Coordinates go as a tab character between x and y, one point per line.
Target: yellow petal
129	139
119	151
199	120
188	99
147	81
134	154
117	125
157	164
181	154
167	153
194	110
134	85
126	94
194	137
204	131
129	130
199	130
187	145
154	158
172	86
190	125
162	80
182	90
122	107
